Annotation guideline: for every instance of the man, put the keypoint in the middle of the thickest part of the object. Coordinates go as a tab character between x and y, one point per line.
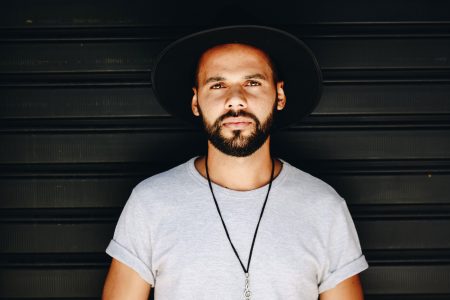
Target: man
237	223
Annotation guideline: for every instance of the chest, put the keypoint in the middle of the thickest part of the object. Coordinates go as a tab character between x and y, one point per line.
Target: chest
194	247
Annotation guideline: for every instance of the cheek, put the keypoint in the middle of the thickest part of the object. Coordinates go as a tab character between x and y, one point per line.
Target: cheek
263	93
212	96
262	101
210	102
210	110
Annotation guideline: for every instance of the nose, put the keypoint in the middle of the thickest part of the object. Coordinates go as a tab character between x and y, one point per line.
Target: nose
236	98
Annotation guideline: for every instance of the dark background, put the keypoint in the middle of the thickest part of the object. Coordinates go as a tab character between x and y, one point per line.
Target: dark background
80	127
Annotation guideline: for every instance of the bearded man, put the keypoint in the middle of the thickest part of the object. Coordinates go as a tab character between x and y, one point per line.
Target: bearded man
236	223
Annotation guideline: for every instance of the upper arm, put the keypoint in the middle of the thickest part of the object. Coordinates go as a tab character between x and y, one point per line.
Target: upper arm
124	283
349	289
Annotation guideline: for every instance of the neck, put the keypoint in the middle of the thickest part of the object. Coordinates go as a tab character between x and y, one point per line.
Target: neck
239	173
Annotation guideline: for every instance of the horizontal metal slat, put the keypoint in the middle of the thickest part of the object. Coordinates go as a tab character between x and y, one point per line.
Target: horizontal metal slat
382	53
86	102
391	189
138	102
407	297
88	237
65	192
78	191
404	234
51	283
143	13
161	146
407	280
377	280
332	53
362	144
384	99
98	147
55	237
85	56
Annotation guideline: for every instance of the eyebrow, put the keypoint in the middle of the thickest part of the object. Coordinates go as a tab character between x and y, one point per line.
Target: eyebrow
214	79
256	76
252	76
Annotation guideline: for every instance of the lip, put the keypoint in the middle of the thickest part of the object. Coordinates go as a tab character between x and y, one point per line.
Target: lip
237	120
237	123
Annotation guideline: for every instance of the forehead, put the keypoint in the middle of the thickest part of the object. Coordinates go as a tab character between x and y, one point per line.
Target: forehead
233	55
234	48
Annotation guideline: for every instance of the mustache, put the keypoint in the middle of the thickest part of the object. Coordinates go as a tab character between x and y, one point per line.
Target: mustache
237	113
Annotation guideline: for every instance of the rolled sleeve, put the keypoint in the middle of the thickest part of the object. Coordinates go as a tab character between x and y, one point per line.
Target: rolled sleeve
131	244
123	255
352	268
344	255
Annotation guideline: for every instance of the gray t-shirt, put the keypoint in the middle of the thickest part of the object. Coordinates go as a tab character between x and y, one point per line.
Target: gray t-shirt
171	234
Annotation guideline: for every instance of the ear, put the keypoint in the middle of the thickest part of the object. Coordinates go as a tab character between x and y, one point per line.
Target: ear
194	103
281	96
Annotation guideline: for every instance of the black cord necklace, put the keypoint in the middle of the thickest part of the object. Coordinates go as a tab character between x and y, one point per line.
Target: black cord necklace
247	292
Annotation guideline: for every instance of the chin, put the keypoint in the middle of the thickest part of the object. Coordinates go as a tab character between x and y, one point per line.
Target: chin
233	132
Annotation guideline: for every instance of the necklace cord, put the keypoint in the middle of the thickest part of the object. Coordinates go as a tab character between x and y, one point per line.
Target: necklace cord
246	270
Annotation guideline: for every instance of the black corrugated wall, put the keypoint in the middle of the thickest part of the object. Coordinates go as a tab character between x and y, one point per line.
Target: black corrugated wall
80	127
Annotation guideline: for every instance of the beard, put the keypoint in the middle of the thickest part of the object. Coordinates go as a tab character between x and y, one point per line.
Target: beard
238	145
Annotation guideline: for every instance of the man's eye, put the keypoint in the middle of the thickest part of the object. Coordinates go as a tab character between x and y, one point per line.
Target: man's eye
217	86
253	83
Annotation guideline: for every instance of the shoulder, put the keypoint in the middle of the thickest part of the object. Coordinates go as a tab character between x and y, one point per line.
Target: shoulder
307	183
165	184
316	202
310	188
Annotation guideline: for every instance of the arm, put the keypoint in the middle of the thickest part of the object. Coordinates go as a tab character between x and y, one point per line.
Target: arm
349	289
124	283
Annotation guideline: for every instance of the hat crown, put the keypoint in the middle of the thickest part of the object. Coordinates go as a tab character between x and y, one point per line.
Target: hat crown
294	61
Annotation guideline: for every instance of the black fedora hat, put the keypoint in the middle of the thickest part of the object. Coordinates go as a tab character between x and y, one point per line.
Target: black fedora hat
173	73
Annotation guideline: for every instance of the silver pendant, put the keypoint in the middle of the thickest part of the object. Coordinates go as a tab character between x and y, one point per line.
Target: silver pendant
247	292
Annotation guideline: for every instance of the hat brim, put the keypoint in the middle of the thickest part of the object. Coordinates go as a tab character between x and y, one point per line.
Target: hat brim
174	69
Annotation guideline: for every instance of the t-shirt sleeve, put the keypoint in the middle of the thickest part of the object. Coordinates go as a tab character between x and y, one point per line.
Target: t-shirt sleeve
131	243
344	256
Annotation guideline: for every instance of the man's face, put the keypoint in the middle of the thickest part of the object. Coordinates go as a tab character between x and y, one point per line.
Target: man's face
236	97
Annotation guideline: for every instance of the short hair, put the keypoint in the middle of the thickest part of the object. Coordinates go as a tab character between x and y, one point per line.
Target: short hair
272	65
